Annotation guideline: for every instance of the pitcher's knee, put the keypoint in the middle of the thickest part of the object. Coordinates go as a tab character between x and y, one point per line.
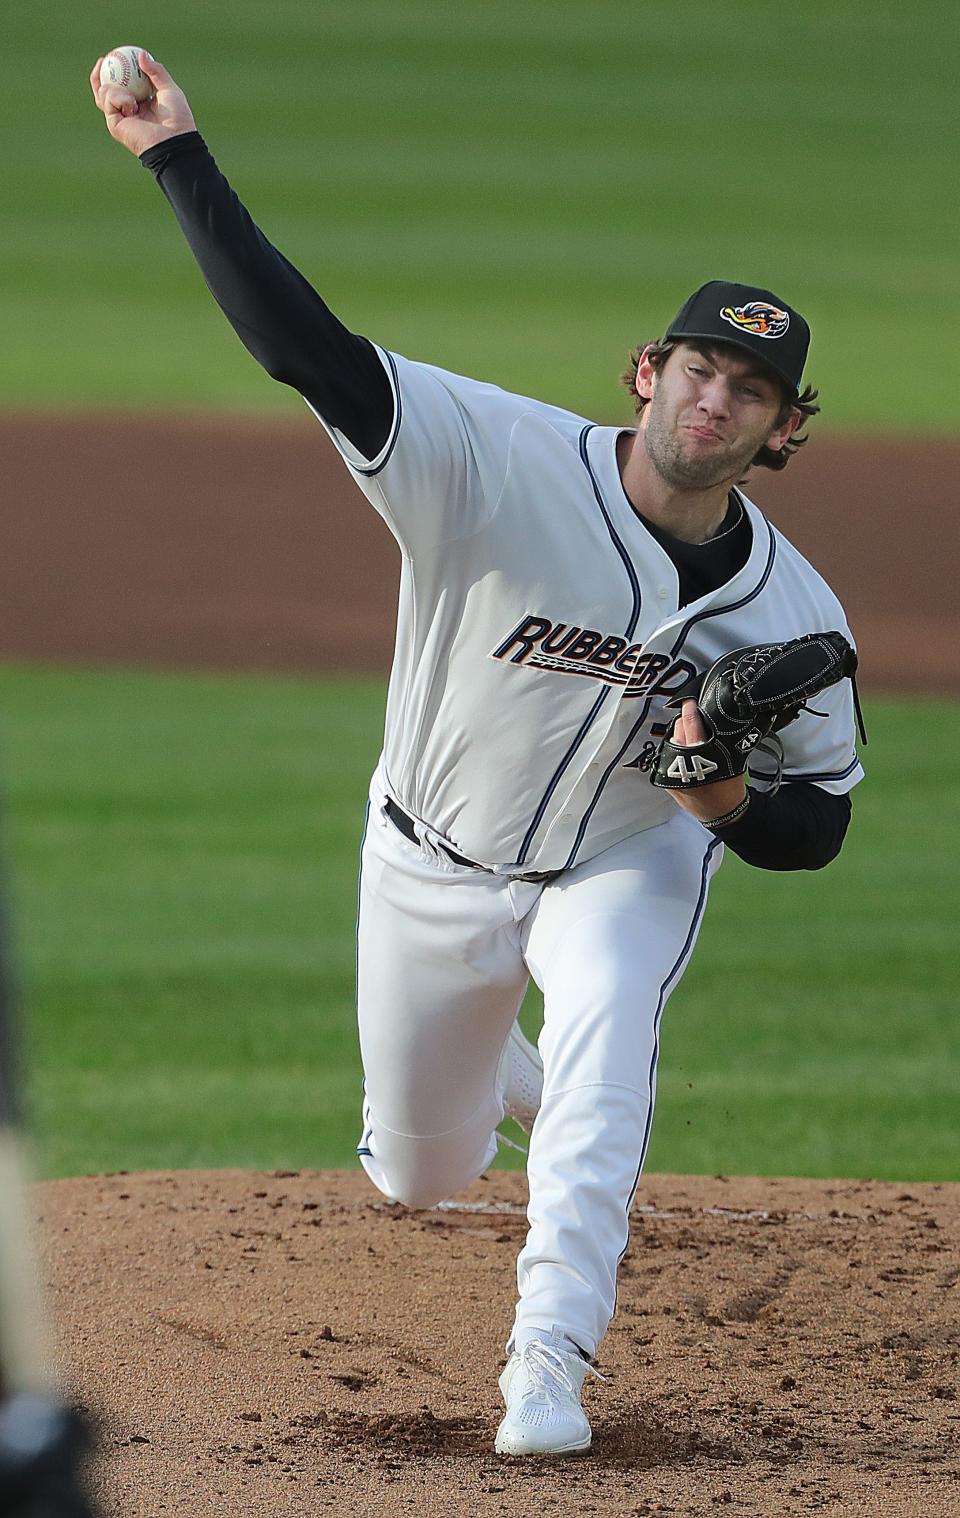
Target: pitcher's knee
420	1172
415	1192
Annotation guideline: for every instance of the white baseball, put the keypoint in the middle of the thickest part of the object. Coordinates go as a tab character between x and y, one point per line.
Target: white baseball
120	67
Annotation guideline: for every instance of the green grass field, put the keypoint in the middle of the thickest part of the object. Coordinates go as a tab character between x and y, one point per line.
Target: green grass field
185	854
518	191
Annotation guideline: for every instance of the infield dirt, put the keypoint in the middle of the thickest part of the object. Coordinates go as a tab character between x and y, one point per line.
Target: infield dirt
287	1343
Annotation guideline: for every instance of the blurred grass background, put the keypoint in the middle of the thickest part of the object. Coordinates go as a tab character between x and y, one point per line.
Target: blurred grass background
518	191
186	852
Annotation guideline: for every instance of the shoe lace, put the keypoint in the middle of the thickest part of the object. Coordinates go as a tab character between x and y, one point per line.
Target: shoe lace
547	1369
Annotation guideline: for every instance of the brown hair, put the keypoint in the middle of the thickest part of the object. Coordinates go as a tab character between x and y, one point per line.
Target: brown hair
769	458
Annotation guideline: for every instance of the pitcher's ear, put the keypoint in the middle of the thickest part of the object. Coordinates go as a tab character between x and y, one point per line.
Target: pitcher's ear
646	379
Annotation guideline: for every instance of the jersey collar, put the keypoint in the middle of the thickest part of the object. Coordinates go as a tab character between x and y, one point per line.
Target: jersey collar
650	560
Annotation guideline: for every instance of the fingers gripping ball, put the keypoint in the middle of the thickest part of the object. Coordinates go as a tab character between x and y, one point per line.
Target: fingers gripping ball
746	696
120	68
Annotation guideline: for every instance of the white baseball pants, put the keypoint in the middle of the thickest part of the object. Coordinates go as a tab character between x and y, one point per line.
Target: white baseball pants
444	956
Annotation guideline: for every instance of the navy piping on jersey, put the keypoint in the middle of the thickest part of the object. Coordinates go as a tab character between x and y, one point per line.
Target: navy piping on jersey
591	715
363	839
363	1146
621	550
710	611
809	775
665	986
585	820
555	780
395	432
719	611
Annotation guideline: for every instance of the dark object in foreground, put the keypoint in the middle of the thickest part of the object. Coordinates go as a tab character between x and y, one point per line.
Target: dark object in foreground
41	1447
42	1442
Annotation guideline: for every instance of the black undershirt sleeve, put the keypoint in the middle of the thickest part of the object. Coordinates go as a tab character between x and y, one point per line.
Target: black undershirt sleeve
275	312
800	827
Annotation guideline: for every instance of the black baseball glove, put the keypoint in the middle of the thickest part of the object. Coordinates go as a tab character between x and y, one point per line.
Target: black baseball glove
745	697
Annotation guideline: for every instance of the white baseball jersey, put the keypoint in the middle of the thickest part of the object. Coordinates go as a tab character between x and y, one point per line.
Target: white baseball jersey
539	634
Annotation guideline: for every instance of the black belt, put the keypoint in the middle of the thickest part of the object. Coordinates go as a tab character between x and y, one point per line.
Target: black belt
407	827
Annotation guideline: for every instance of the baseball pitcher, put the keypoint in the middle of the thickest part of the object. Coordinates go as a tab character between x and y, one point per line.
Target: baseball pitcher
600	640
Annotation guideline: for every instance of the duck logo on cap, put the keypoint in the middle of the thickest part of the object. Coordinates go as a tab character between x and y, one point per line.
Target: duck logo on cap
758	317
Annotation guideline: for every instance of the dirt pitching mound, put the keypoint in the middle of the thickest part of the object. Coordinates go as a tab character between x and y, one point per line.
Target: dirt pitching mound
284	1343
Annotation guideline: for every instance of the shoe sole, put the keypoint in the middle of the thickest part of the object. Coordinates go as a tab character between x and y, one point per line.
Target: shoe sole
523	1115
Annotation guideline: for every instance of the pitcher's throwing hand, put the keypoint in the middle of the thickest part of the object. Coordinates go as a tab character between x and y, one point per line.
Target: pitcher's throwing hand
141	124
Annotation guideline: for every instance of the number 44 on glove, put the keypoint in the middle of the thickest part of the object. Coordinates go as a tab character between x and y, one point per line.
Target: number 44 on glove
745	697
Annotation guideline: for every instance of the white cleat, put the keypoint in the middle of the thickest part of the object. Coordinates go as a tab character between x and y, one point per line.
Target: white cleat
520	1079
541	1387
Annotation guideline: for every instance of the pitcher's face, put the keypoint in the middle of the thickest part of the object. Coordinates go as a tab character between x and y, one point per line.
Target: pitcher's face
709	412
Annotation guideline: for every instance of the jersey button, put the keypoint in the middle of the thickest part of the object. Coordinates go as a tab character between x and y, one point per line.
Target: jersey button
662	592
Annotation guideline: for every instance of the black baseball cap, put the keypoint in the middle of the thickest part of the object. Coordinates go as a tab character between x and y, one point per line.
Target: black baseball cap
755	320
